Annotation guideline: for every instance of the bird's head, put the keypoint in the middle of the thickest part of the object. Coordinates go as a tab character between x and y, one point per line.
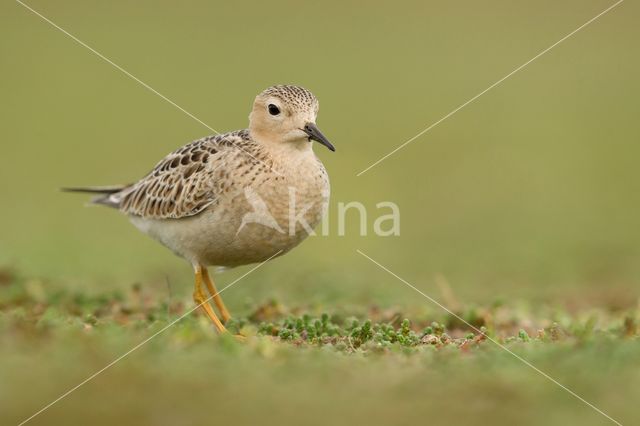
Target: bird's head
286	114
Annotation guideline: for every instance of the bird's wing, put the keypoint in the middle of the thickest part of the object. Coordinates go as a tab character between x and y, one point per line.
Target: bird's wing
187	181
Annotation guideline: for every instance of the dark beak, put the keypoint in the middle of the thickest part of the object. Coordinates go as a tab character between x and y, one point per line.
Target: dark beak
315	134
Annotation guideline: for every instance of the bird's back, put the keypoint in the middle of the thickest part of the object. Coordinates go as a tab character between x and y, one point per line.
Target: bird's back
189	179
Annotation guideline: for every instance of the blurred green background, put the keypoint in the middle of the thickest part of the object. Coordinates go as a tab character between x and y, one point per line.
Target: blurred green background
532	189
531	192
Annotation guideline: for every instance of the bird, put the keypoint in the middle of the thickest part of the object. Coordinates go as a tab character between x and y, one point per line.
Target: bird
226	200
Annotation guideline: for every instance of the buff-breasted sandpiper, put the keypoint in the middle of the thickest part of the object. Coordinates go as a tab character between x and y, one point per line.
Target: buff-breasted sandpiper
196	200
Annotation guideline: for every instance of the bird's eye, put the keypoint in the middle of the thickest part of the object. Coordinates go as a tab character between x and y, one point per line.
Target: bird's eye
273	110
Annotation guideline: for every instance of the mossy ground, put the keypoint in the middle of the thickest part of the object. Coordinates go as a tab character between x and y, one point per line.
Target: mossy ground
304	364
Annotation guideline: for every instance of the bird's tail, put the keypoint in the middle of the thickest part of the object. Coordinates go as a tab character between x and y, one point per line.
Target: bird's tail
110	196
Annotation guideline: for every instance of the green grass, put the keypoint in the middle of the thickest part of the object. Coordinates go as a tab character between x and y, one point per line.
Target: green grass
305	364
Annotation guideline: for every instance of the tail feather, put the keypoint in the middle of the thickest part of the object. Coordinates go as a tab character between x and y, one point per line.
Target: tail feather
109	196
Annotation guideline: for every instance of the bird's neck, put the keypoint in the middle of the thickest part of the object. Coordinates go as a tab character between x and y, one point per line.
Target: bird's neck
293	150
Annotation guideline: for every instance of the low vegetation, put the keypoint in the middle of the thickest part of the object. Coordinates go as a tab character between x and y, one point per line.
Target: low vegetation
307	364
26	307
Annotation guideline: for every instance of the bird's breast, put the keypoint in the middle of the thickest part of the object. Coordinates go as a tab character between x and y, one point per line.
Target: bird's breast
271	214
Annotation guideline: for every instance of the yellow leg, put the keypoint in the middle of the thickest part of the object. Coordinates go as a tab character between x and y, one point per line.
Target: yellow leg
216	297
201	300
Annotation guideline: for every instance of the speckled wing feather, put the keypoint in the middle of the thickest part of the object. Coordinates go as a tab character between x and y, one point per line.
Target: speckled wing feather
183	184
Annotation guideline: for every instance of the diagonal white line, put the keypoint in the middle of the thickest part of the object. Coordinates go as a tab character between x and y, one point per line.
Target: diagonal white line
489	88
139	345
524	361
118	67
133	77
